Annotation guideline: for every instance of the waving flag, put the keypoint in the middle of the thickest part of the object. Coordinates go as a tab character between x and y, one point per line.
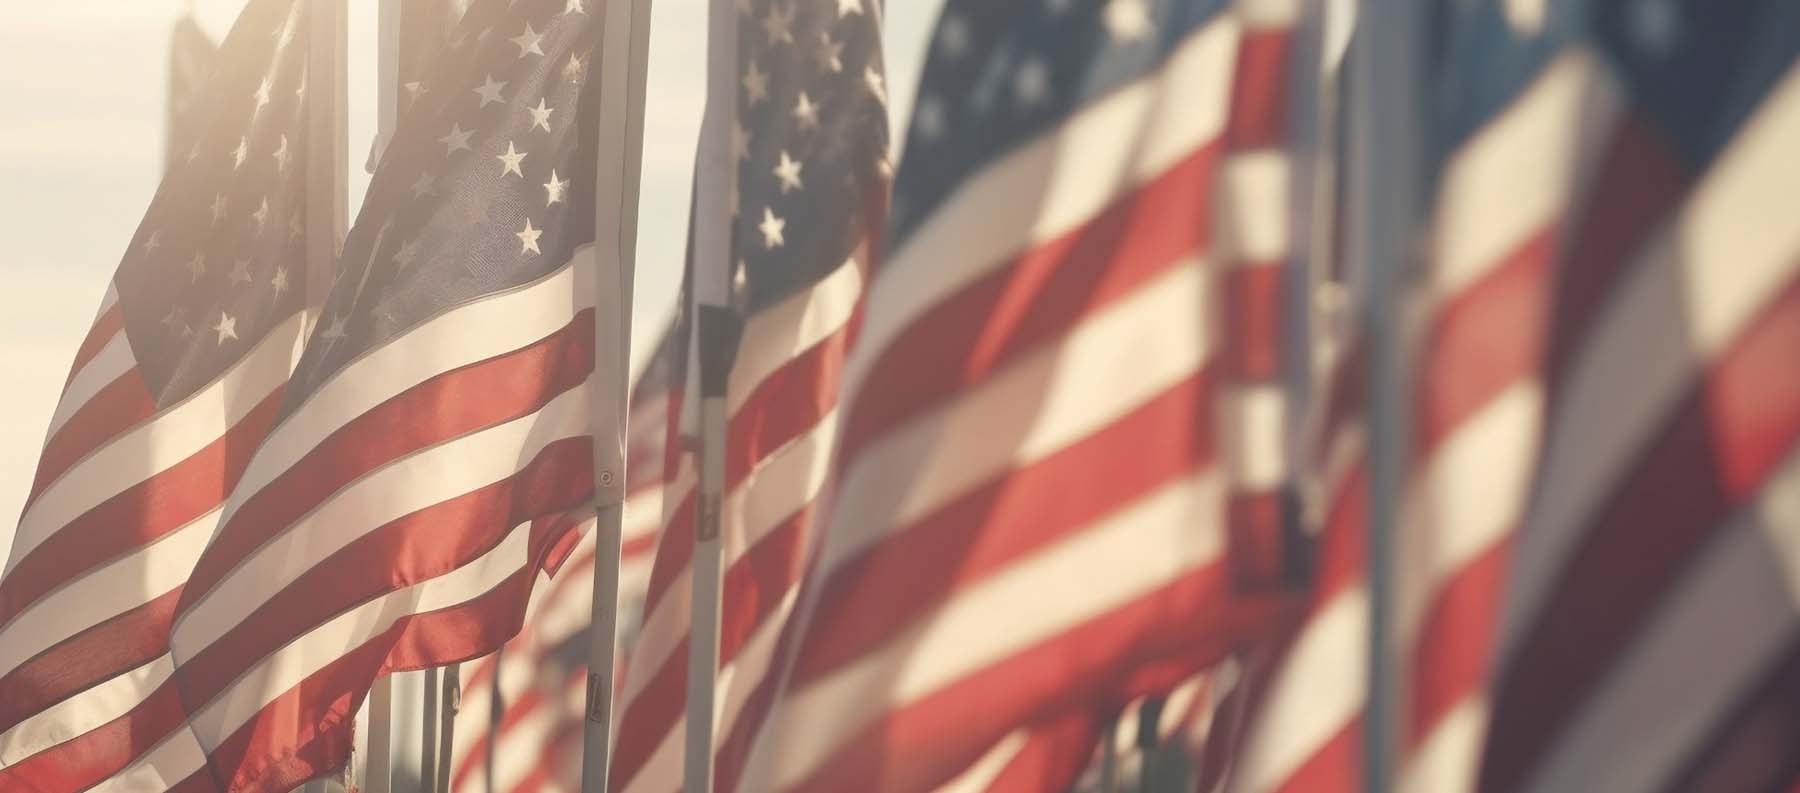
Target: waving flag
433	453
191	60
811	148
180	376
1060	444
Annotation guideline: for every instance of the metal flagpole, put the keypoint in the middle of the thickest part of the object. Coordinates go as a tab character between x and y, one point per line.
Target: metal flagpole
618	64
327	141
496	712
716	324
1109	758
449	702
428	747
1383	232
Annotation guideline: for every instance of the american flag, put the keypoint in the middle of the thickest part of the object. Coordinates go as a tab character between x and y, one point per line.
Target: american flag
433	453
179	378
811	148
1059	404
191	54
1650	634
542	674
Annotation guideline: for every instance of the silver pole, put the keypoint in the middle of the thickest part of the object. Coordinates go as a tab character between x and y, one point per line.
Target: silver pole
327	141
619	64
428	748
716	165
1109	758
1385	184
449	702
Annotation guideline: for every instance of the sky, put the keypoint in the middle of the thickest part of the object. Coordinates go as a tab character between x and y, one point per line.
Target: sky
81	140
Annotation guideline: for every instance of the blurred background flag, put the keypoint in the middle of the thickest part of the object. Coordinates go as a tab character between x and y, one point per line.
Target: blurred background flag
191	59
1650	636
177	381
811	148
435	449
529	727
1061	458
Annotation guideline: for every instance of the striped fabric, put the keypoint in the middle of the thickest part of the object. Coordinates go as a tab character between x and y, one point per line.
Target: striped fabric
1651	635
542	674
180	376
434	456
1051	415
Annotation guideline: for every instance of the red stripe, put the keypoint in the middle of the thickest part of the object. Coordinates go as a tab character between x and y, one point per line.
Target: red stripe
1259	91
105	327
448	405
418	547
782	407
109	413
921	745
476	756
1251	307
1713	454
1336	767
1451	657
86	659
140	514
305	732
1052	758
920	567
1036	298
85	760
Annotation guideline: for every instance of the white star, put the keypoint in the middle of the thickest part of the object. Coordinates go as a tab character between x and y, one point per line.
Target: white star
740	141
218	207
756	83
240	271
282	155
877	85
574	7
777	24
830	53
528	41
414	90
238	154
262	97
806	114
193	153
196	266
409	251
788	171
457	140
848	7
540	115
553	189
929	121
300	92
153	242
509	162
284	35
528	239
227	327
573	69
176	316
1525	16
953	35
771	228
425	184
1127	20
261	214
1031	84
279	283
490	91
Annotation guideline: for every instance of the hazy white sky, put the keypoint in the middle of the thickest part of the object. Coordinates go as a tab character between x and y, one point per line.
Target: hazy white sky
82	86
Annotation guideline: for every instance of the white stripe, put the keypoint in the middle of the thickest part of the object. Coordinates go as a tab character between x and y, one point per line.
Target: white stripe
1135	348
282	670
521	748
1448	757
1252	215
174	435
432	476
107	365
1057	182
1315	694
786	480
101	593
1717	635
1267	14
1514	178
80	714
1730	250
174	759
1252	421
1465	499
982	773
477	331
1164	536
